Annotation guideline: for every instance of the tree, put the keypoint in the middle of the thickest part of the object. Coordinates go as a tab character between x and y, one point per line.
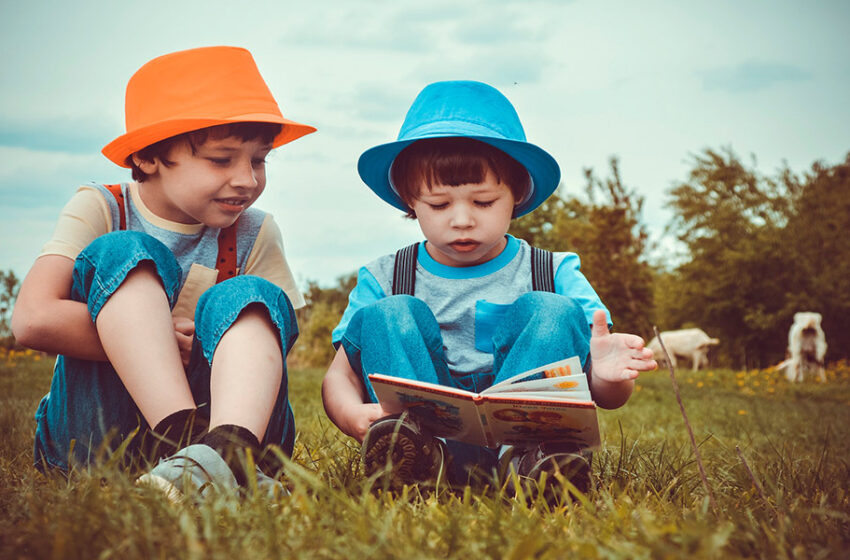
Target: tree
758	248
817	246
9	286
610	239
317	320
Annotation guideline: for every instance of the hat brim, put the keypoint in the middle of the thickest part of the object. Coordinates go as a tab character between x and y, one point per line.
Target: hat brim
119	149
374	168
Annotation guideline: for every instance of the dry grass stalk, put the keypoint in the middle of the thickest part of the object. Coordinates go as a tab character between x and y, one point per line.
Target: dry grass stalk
687	423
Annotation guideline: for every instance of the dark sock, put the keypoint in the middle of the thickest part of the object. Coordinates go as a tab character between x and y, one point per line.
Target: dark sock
231	442
174	432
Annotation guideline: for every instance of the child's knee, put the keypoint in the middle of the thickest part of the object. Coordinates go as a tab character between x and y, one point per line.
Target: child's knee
401	313
220	307
103	266
546	306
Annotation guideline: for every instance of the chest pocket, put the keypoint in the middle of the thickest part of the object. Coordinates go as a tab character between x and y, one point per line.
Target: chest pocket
487	315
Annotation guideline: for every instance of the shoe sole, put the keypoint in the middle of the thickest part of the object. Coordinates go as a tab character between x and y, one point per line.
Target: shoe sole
397	448
171	492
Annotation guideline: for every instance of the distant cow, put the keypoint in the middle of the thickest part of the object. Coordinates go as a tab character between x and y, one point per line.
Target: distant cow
806	346
685	343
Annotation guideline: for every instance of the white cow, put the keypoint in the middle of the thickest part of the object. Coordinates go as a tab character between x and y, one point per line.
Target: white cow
806	346
685	343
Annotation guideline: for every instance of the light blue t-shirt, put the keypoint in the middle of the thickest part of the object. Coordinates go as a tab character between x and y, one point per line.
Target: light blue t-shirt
469	302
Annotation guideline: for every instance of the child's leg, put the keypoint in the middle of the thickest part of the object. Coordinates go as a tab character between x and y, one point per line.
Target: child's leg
243	329
399	336
246	372
538	329
87	400
396	336
137	333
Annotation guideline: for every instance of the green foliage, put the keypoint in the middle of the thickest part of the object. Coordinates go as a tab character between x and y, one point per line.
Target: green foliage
648	503
609	237
9	285
760	249
316	322
817	240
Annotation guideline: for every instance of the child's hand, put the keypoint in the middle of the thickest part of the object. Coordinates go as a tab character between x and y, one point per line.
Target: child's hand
617	357
360	417
184	330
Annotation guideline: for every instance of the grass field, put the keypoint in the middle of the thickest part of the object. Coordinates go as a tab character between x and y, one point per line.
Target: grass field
649	501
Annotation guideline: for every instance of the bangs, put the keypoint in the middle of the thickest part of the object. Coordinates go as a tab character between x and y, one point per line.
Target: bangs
453	162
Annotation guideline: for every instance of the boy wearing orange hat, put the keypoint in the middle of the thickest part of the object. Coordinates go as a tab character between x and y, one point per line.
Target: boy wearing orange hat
169	300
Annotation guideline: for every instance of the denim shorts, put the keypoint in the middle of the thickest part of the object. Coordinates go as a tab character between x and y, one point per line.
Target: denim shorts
88	413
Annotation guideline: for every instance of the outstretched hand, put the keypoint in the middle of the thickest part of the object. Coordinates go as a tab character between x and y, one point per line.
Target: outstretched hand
618	356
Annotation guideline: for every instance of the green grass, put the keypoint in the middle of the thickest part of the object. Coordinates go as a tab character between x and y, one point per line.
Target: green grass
649	501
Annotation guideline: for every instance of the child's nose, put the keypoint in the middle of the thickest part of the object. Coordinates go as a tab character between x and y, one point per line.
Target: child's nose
244	175
462	218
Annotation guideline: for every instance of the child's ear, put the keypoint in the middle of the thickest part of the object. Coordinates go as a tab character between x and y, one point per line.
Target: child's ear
148	166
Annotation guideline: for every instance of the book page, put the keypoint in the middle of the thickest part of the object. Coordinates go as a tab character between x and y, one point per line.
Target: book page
444	411
572	387
562	368
523	421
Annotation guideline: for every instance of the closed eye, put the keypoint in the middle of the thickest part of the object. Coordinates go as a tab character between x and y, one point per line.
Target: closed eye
441	206
223	162
484	203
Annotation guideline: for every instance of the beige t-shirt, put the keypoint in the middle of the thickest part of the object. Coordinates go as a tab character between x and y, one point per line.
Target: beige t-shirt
87	216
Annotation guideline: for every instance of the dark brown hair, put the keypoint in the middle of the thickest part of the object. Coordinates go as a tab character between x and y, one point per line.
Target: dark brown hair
453	162
245	131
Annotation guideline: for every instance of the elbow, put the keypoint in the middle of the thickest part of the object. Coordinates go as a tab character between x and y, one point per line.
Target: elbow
28	329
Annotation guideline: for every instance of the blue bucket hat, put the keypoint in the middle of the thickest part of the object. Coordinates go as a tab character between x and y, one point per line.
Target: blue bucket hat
462	109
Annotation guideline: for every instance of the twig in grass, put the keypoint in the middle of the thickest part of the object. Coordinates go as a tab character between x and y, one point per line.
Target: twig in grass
755	482
687	423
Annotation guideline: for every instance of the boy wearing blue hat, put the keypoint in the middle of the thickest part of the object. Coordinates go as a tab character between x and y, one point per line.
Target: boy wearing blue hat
471	305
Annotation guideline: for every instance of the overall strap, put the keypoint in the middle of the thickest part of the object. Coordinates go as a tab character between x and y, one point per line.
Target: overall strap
542	271
404	270
225	261
119	198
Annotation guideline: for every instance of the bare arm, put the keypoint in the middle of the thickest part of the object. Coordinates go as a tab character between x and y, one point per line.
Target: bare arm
343	395
46	319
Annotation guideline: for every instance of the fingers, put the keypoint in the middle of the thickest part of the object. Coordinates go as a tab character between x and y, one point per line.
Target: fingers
600	324
629	374
184	326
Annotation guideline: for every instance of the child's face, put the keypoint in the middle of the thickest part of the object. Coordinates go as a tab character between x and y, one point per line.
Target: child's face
465	225
212	186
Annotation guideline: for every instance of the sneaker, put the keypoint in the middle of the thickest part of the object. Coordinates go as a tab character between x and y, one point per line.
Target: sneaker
194	470
556	460
398	447
268	486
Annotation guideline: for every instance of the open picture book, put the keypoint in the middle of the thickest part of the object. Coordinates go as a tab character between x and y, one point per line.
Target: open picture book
548	403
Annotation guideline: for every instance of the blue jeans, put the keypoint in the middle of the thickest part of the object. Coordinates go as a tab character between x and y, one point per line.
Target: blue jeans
400	335
88	411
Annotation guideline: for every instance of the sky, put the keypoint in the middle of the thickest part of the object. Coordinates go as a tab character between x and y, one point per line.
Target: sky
652	83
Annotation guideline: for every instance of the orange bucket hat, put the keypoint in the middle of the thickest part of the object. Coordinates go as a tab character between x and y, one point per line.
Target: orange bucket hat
192	89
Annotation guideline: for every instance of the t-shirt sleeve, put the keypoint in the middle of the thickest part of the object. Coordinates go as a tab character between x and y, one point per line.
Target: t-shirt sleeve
569	281
268	260
85	217
365	292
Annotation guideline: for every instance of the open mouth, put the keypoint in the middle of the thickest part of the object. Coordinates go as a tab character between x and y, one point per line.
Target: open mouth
464	245
232	204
